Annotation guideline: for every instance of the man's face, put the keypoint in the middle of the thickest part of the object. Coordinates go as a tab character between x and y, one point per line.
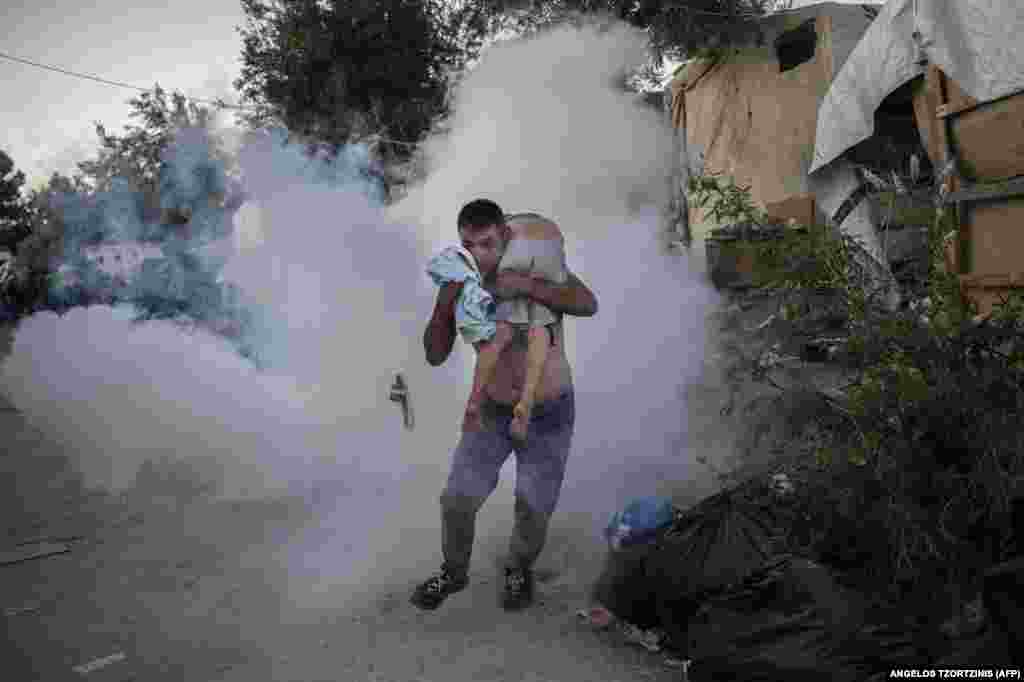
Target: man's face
487	244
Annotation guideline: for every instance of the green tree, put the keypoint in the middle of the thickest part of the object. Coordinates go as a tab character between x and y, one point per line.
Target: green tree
15	218
139	156
41	247
676	28
335	71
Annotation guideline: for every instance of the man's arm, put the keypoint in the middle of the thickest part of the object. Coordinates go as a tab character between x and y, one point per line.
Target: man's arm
439	336
571	298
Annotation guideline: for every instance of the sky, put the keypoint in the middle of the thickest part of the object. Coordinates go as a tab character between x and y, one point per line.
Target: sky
189	45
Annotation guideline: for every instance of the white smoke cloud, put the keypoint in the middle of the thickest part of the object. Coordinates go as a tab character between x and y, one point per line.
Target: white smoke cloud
539	126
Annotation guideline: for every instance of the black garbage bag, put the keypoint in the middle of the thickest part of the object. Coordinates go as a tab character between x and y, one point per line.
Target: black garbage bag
713	544
718	542
623	587
733	598
785	621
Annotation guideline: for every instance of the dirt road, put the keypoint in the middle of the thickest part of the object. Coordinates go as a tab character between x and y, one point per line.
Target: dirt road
156	588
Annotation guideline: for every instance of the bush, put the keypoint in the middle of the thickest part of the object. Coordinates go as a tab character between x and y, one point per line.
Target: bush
909	474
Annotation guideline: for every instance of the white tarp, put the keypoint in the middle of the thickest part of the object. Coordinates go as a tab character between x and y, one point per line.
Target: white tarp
831	188
977	43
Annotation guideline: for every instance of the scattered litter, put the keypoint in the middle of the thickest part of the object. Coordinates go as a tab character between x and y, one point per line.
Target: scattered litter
771	318
52	539
18	610
596	616
648	639
684	663
28	552
781	484
600	618
639	522
92	666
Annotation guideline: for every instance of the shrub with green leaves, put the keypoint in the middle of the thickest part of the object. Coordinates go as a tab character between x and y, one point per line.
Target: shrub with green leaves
723	199
924	450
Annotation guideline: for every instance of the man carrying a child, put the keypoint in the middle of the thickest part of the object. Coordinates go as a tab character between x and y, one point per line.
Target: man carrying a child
484	447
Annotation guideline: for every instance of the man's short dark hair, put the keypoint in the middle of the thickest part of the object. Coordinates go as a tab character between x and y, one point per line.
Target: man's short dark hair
480	213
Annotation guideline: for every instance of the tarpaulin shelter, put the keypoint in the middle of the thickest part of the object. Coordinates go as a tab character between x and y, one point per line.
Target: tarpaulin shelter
974	57
977	43
752	112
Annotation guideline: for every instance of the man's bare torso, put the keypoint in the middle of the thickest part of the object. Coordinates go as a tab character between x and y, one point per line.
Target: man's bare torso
506	386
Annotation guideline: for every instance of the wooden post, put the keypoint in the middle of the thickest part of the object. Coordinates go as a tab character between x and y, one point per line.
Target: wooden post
684	154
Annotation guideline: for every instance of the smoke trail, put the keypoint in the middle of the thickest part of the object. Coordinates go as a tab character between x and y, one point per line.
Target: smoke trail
541	126
340	300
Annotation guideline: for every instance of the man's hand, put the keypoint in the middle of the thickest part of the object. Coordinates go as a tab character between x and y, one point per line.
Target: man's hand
571	298
514	283
449	295
439	336
472	419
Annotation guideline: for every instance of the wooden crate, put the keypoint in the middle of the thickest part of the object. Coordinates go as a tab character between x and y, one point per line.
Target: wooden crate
986	139
989	290
995	235
730	263
986	190
989	254
799	208
732	255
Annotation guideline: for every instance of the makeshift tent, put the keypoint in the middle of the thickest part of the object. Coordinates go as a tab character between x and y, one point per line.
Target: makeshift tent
752	113
977	43
976	46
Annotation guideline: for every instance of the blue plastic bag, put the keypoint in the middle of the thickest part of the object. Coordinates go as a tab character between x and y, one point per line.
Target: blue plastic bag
639	522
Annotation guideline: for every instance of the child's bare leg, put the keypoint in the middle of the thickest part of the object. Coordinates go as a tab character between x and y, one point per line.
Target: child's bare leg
536	353
486	361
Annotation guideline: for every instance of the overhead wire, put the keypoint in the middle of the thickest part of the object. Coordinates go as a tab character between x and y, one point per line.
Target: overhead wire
106	81
224	105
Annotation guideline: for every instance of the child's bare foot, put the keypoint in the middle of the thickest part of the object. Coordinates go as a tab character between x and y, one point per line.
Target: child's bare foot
520	422
472	420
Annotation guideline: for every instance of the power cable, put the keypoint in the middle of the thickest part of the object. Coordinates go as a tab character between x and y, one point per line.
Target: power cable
106	81
217	103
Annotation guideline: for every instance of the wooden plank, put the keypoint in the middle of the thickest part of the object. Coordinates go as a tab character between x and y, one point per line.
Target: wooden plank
824	47
29	552
936	84
926	99
955	100
986	192
996	240
989	139
986	291
1000	280
96	664
41	539
936	130
799	208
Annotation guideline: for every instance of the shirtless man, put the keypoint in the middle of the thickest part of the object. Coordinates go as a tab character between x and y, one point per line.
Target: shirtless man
479	455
